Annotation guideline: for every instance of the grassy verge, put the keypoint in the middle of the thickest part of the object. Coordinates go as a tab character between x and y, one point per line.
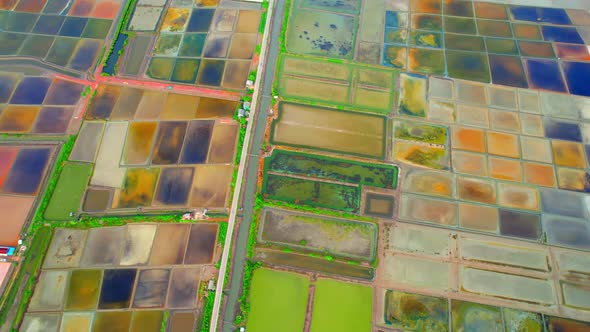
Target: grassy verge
250	266
207	311
26	277
164	321
314	210
282	40
243	124
262	25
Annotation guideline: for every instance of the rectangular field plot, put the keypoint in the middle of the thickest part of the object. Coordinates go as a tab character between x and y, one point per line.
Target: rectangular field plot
65	201
302	88
414	312
341	306
314	193
321	69
508	286
88	141
367	89
327	168
277	299
321	234
335	37
329	129
315	264
201	244
323	181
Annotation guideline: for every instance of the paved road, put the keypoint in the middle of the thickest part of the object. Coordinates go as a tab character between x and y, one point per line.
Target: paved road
251	175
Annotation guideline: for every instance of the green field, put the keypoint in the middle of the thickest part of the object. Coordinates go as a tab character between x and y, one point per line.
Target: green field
68	191
314	193
278	301
341	306
322	167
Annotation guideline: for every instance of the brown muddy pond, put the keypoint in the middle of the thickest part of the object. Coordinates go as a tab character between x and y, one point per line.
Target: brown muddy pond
478	217
201	244
428	210
223	141
182	321
184	284
96	200
139	141
103	102
151	289
103	246
87	142
211	186
169	244
127	104
180	107
150	106
169	143
215	108
379	205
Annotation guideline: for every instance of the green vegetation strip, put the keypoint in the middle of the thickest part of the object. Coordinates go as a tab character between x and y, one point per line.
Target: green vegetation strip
278	299
314	262
32	260
68	191
319	194
125	17
282	40
164	324
207	311
314	210
328	168
341	306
